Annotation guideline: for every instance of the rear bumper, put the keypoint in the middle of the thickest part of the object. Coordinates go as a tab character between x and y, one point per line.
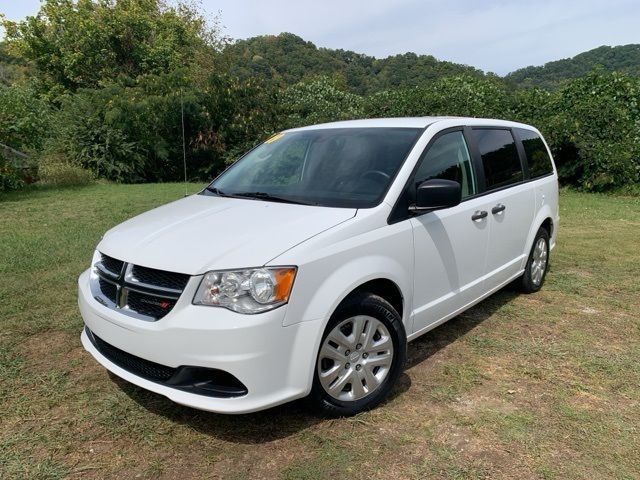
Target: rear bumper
275	363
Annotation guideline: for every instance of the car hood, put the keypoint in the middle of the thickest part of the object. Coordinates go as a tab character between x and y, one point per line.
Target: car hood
201	233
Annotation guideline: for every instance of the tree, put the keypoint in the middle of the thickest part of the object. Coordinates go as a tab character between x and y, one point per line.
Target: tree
85	43
317	101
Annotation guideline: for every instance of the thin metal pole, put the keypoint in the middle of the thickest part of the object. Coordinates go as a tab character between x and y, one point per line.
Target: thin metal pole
184	147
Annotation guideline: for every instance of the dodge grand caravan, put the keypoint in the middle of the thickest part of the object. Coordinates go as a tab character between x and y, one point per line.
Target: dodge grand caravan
305	268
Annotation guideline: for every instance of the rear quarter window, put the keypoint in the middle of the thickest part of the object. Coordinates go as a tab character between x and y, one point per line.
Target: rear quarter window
536	152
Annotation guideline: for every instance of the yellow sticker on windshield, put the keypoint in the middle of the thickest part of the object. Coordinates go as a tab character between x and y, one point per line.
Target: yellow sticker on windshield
275	138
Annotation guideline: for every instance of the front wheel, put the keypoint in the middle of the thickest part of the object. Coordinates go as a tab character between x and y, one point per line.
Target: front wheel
537	264
362	354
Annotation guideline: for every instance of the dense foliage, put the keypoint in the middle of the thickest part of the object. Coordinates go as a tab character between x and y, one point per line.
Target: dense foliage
103	86
12	69
594	125
9	177
460	95
317	101
24	117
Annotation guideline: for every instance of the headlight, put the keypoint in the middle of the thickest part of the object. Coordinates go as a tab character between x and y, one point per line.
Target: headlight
252	290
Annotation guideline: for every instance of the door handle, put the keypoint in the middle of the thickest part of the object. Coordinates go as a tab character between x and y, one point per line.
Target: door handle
498	208
479	215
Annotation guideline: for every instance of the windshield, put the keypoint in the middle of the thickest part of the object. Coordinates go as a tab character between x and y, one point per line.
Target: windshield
341	167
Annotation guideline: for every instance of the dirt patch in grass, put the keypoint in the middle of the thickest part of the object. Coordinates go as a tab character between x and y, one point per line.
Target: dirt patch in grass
41	349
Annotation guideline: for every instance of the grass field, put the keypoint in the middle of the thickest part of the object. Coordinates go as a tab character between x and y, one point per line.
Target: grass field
539	386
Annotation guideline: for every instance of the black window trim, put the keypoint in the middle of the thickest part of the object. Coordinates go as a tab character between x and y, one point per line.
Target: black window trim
398	214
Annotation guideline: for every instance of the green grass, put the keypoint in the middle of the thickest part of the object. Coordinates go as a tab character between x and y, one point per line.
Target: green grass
538	386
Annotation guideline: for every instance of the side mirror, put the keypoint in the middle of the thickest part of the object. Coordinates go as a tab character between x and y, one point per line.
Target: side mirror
436	194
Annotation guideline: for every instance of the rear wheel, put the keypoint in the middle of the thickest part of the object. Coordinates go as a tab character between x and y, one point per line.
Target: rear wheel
537	263
362	354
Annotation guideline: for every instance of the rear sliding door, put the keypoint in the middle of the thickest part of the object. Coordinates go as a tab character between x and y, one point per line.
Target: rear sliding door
510	203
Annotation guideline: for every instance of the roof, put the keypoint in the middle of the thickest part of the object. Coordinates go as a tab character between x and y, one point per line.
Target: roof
408	122
400	122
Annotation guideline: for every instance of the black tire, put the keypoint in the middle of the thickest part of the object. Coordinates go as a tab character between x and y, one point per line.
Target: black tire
526	283
374	306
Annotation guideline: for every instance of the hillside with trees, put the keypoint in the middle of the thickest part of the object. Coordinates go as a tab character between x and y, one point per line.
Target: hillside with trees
97	90
623	58
286	59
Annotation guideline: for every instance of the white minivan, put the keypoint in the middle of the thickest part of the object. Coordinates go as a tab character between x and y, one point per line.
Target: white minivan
305	268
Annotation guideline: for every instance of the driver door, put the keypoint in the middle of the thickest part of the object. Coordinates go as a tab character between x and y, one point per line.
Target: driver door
450	244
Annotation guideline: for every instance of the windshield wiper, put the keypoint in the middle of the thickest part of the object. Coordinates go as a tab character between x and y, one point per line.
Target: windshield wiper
216	191
270	198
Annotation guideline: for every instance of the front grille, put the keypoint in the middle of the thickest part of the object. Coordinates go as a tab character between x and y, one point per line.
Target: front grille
108	289
160	278
112	265
141	292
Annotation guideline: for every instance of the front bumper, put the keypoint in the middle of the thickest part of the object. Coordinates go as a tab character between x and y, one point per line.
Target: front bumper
275	363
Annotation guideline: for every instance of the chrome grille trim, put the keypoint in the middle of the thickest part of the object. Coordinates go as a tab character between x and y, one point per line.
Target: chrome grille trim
104	272
125	282
130	278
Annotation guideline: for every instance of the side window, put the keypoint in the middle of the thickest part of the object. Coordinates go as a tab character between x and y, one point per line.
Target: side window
448	158
537	155
499	157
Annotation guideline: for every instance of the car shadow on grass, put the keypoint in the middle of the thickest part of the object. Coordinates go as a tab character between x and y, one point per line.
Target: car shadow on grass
425	346
252	428
285	420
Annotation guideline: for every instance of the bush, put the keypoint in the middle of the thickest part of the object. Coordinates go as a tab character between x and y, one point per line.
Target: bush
24	117
56	171
89	134
9	178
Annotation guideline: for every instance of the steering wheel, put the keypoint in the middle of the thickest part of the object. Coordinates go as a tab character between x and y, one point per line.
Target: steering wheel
378	173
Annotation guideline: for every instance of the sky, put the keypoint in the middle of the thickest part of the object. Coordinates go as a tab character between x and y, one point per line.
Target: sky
494	35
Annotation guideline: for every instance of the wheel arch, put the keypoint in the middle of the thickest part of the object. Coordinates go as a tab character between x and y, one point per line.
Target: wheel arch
382	287
544	218
547	223
377	284
391	278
